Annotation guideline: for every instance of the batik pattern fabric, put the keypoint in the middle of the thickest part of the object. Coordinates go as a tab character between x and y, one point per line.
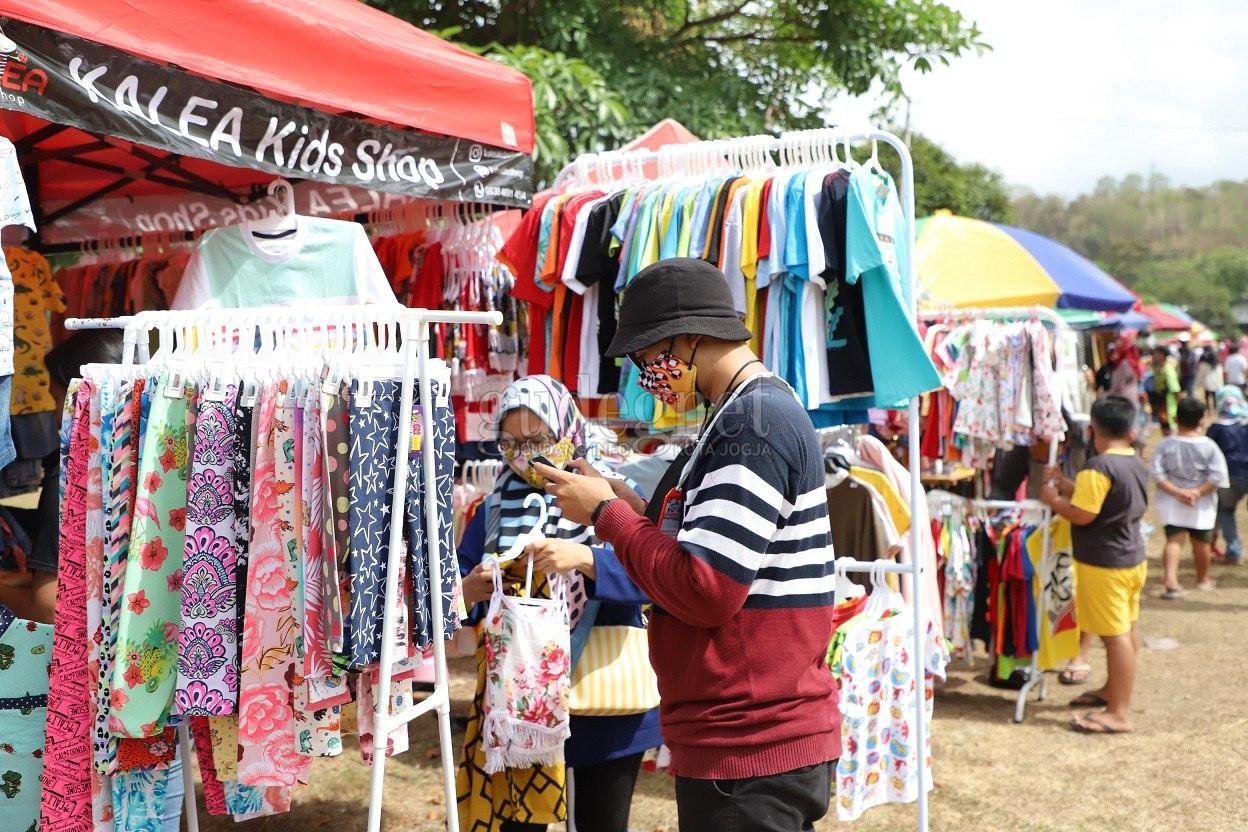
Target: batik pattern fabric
25	658
244	445
417	542
373	429
208	642
139	799
66	802
147	638
269	757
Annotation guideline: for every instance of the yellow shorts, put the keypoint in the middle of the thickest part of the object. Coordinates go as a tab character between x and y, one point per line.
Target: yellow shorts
1107	601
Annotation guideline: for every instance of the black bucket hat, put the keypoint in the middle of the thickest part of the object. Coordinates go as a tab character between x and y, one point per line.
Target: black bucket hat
677	296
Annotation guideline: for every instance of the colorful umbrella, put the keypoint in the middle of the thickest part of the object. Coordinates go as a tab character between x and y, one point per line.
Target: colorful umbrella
1166	317
968	262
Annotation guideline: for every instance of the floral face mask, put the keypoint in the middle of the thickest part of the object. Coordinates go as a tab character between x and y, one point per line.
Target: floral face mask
520	459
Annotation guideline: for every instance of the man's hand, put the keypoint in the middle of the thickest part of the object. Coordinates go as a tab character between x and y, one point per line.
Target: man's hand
478	585
618	484
576	494
557	556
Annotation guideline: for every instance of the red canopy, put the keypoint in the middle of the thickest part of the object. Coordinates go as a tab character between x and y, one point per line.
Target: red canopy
332	55
147	107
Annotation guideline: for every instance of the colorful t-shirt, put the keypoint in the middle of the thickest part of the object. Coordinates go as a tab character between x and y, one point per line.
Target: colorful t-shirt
35	296
879	758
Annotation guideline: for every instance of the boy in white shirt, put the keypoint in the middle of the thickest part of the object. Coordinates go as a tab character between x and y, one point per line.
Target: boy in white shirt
1189	469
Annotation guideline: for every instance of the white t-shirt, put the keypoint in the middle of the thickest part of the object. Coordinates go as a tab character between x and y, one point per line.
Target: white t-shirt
324	263
1236	369
1189	462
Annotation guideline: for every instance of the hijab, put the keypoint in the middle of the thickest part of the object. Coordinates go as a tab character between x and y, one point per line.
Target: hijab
509	517
1231	406
1129	351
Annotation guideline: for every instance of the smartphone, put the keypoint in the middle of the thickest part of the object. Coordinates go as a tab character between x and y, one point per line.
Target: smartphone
544	461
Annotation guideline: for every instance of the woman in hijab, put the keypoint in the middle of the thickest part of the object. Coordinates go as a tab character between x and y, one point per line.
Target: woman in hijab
537	416
1124	380
1230	433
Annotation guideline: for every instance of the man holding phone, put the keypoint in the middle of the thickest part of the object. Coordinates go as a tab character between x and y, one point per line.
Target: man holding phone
735	551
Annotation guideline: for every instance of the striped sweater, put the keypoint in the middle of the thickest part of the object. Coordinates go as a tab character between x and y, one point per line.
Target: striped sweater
744	595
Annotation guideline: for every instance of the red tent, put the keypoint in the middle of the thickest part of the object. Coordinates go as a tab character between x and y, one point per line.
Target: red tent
1161	319
216	96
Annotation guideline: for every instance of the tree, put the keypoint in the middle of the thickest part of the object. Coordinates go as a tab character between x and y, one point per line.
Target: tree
941	183
723	67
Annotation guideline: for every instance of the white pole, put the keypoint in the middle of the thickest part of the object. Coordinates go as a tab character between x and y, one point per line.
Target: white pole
434	548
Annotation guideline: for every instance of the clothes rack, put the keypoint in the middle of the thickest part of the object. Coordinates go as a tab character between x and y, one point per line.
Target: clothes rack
798	147
1035	676
414	330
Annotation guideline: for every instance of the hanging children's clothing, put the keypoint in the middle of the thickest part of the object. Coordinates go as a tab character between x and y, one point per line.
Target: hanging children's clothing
25	654
195	572
322	261
14	210
879	759
805	250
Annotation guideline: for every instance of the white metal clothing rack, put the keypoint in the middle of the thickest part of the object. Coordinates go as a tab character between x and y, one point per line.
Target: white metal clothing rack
414	329
1036	679
805	148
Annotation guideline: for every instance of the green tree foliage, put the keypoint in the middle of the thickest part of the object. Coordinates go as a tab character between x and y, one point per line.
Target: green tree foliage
941	183
722	67
1180	245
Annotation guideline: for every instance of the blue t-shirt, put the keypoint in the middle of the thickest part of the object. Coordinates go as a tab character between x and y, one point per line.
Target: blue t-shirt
877	252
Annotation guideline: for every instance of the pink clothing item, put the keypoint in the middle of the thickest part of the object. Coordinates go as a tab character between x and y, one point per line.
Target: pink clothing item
66	805
875	454
266	717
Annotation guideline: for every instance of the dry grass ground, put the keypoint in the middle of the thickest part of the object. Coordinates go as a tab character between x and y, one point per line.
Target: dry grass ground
1183	768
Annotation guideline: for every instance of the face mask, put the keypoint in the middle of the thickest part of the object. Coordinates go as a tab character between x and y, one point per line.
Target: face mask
670	380
520	460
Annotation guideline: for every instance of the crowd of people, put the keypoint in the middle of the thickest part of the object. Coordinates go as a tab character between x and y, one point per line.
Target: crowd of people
1199	472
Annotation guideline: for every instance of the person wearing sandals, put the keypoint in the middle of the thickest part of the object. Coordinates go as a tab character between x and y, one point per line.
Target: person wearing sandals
1189	469
1105	505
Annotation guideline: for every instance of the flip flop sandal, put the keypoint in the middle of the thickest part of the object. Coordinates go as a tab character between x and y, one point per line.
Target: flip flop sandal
1089	700
1088	725
1075	674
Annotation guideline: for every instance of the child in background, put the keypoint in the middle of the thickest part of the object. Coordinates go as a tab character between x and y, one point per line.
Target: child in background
1104	505
1189	469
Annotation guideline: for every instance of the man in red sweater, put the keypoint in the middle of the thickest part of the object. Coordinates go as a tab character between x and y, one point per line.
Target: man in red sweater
735	550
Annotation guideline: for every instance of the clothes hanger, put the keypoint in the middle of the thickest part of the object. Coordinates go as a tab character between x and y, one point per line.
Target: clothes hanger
283	222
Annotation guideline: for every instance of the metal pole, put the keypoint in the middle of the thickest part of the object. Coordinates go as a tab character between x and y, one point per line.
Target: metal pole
434	547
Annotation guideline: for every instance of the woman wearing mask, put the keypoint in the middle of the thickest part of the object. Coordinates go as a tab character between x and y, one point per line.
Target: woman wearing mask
537	416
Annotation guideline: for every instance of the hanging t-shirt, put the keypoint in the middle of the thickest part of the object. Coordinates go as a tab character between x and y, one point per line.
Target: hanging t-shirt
849	359
35	296
877	252
324	262
14	210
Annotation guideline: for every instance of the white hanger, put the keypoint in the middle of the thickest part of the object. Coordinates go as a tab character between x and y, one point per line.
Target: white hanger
845	588
283	222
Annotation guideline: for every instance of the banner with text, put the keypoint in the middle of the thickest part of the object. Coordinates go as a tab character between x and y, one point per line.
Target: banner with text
101	90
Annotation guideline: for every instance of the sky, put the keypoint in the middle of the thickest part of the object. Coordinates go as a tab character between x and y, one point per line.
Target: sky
1074	90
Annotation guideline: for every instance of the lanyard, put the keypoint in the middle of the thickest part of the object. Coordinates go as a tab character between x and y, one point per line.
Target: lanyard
700	445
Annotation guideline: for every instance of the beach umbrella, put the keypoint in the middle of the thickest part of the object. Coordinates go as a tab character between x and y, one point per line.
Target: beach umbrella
1164	317
968	262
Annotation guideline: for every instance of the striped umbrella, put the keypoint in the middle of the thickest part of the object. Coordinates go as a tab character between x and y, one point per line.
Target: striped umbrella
967	262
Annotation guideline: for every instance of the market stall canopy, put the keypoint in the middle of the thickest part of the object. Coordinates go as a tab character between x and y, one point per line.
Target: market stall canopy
968	262
1166	317
1131	319
215	96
